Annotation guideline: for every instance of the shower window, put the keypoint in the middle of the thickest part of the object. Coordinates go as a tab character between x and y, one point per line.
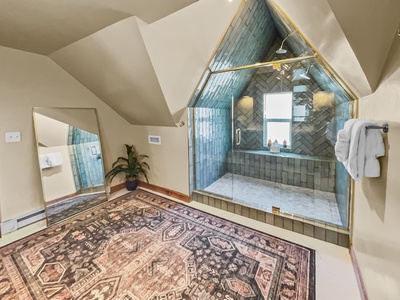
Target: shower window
278	109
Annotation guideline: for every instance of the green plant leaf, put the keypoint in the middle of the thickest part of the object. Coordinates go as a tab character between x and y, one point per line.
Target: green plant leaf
132	165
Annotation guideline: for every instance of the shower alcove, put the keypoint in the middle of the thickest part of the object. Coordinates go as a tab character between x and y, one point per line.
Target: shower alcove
266	84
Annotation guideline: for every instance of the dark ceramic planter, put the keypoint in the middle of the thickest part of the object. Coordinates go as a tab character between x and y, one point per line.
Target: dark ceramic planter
131	185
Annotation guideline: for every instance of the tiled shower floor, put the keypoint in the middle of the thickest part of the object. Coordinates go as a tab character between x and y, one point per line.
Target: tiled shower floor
264	194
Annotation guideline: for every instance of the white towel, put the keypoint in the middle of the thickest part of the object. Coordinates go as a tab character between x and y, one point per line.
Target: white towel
342	145
364	149
374	148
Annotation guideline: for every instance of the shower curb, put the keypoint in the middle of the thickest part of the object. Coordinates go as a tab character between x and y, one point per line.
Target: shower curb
321	231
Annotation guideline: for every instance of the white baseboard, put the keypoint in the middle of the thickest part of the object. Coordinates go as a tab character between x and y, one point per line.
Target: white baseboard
27	219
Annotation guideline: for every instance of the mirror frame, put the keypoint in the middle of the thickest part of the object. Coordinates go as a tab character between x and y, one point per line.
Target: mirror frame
104	186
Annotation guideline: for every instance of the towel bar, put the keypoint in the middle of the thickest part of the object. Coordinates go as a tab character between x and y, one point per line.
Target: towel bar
384	127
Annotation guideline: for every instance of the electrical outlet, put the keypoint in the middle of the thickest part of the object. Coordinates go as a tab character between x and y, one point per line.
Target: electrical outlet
13	137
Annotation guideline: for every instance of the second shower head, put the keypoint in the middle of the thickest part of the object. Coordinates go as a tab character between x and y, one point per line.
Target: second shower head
281	50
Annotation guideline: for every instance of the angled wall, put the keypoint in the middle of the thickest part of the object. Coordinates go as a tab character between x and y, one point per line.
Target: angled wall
318	23
369	27
29	80
376	238
181	45
113	63
147	72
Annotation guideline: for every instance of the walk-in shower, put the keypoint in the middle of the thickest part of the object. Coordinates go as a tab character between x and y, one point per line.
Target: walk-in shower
263	123
236	128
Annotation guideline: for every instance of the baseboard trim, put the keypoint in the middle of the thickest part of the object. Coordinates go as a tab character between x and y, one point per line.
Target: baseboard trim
117	187
165	191
155	188
356	268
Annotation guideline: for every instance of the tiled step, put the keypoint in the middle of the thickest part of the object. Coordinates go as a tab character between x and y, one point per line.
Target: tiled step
331	234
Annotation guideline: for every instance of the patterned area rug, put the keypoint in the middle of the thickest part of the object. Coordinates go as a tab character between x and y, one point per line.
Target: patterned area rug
145	247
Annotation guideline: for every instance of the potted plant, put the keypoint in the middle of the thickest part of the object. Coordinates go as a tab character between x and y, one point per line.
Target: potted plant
132	166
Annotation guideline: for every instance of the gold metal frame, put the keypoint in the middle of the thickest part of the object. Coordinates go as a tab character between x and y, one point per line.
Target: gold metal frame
354	109
327	66
266	64
38	154
322	62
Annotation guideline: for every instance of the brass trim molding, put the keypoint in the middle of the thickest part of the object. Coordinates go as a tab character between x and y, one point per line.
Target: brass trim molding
266	64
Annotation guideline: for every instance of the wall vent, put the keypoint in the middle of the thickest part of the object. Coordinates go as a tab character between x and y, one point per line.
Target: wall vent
153	139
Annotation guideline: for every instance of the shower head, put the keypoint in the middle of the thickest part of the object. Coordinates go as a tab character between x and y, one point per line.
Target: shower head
299	74
281	50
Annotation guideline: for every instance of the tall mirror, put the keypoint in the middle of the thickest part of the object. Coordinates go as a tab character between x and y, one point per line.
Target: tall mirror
70	160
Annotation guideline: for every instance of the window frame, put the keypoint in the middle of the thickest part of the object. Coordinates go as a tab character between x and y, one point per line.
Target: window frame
266	120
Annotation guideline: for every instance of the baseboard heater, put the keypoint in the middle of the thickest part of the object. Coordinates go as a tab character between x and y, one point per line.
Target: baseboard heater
16	223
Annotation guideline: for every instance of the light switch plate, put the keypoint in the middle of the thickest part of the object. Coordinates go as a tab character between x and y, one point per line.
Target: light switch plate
13	137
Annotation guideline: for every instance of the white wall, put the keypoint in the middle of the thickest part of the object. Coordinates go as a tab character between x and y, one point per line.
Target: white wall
52	137
181	46
58	181
50	132
29	80
148	72
376	237
318	23
169	161
370	26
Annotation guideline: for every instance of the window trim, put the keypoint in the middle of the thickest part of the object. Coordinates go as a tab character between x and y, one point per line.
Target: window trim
266	120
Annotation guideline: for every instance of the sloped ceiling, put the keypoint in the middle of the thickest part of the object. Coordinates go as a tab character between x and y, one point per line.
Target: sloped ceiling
144	58
113	63
353	36
147	72
369	26
44	26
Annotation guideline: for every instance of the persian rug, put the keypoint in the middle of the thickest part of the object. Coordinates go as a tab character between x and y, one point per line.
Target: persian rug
72	206
145	247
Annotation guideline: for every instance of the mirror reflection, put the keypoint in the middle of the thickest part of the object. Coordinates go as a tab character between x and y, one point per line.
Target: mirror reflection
70	160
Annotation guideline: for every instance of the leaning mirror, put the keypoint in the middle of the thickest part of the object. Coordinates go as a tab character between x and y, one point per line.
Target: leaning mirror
70	160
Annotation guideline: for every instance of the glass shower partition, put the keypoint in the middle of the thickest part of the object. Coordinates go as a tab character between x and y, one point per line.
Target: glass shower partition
264	138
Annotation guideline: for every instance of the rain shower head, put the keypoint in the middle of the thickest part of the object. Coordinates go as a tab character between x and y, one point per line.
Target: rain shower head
281	50
299	74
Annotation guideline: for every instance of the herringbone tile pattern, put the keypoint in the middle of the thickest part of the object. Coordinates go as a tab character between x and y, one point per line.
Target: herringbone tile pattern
310	137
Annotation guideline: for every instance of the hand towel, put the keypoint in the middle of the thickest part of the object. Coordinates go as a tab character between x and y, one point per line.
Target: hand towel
365	147
374	148
342	145
355	161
